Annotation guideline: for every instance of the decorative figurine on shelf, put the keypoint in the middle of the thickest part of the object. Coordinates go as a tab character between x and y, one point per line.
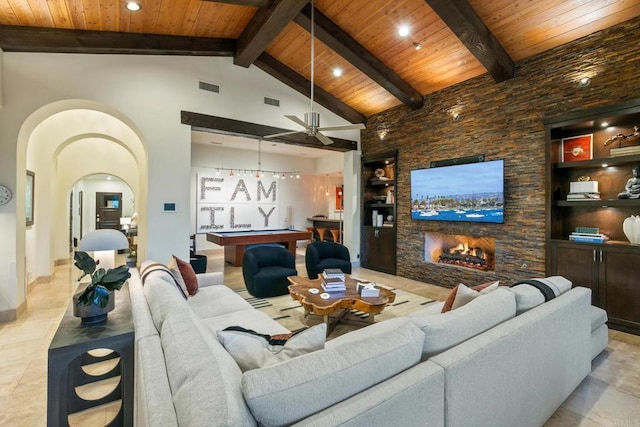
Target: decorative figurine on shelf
632	188
621	138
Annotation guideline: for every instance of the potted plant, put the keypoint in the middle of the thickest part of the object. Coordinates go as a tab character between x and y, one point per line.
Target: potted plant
96	300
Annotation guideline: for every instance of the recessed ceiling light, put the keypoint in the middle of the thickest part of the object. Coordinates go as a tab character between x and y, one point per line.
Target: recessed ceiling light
604	124
403	31
417	46
337	72
133	6
584	82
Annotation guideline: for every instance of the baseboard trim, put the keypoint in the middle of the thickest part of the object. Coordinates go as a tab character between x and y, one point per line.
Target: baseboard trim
62	261
8	315
40	280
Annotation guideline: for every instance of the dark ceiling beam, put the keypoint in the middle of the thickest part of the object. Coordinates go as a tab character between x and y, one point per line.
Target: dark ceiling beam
53	40
254	3
347	47
263	28
286	75
215	124
474	34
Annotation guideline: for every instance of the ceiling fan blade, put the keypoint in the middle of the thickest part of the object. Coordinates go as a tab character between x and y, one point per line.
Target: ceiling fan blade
275	135
345	127
323	138
297	120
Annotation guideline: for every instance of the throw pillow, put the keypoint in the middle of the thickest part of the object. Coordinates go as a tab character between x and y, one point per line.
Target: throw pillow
461	294
251	351
187	275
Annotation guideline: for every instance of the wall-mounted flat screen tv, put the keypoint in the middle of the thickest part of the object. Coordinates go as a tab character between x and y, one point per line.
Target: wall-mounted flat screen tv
468	192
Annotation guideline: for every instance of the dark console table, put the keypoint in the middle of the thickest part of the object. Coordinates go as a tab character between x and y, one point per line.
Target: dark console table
68	352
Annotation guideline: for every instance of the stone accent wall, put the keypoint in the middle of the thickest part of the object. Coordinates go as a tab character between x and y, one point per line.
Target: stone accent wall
503	121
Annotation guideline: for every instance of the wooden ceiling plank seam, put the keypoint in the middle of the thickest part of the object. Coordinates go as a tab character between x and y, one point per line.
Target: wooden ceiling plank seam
40	12
52	40
23	13
59	14
583	23
286	75
263	28
576	33
207	123
110	15
475	35
348	48
7	15
76	14
91	12
251	3
191	17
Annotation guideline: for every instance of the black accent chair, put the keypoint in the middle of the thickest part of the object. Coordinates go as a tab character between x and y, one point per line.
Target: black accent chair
265	269
322	255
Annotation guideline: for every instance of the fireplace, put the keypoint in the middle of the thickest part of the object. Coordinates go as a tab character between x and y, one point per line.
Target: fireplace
477	253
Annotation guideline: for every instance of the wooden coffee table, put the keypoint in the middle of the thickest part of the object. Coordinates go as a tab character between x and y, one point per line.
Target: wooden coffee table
340	303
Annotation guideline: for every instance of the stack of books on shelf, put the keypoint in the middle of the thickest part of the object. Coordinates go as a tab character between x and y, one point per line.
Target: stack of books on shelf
625	151
588	235
583	190
333	280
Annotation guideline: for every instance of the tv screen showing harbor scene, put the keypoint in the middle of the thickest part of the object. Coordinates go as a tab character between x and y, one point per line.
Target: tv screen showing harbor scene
468	192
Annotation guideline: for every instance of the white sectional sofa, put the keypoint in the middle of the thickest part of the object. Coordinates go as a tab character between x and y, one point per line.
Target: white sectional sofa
498	369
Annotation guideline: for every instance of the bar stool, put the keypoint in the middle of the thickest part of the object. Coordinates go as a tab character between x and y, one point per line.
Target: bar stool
335	233
311	230
321	233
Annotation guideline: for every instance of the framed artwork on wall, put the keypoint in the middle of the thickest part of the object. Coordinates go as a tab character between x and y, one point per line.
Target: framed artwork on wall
339	201
31	177
577	148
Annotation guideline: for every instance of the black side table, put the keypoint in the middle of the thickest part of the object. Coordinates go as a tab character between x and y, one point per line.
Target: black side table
68	352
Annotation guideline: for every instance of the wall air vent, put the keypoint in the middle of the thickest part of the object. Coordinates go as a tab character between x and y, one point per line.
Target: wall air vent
272	101
209	86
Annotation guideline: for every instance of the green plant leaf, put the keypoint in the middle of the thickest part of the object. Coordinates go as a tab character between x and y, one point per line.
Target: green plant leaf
115	277
84	262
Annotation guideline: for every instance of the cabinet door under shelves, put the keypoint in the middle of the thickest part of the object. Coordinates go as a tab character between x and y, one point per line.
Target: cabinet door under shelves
379	249
610	270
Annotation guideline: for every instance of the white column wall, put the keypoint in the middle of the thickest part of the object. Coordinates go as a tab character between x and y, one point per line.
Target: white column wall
151	91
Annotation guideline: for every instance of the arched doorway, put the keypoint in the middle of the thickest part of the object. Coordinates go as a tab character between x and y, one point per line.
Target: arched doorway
61	143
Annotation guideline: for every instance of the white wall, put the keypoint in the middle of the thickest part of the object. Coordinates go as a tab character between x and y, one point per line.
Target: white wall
148	93
306	195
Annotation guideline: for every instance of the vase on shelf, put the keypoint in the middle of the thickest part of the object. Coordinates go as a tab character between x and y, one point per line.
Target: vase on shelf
631	228
92	314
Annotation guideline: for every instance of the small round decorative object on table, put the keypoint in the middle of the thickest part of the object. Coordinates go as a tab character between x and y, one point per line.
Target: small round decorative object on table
5	195
313	291
379	172
325	295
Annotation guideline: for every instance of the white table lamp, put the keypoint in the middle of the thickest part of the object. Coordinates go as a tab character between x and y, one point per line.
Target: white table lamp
103	243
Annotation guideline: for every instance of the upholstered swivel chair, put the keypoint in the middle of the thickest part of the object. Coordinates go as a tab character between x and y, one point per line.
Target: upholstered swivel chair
323	255
265	269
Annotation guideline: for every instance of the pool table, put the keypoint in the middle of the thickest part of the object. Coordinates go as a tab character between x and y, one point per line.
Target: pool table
235	242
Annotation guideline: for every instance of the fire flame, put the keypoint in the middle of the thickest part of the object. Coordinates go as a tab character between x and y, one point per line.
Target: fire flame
463	248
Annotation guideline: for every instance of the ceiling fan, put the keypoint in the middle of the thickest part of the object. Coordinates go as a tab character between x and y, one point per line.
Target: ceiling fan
311	123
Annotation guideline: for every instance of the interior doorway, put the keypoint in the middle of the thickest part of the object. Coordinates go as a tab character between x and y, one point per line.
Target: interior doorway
108	210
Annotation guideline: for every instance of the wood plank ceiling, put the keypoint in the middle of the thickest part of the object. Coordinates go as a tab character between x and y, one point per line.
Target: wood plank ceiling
459	39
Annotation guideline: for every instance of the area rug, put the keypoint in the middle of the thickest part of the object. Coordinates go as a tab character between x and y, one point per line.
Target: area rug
290	314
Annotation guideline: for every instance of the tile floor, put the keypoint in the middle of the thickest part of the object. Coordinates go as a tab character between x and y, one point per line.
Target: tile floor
609	396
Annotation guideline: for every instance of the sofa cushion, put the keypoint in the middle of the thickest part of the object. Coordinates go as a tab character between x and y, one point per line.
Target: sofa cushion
445	330
248	319
184	274
251	351
598	317
216	300
162	298
461	294
528	296
157	270
287	392
204	379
